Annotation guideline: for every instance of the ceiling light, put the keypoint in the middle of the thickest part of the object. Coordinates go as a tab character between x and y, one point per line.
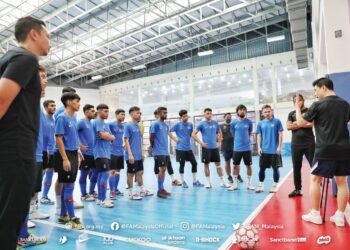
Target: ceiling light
98	77
206	53
275	38
138	67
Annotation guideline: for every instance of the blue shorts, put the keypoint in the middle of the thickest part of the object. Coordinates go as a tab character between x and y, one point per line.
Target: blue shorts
330	168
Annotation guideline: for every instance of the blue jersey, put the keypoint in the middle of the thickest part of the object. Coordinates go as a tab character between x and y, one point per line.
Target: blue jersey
67	127
49	135
241	133
102	148
209	131
269	134
160	131
183	132
58	111
40	140
117	129
86	136
132	131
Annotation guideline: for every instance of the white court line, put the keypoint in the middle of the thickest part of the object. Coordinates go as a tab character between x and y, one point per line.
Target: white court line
115	237
228	243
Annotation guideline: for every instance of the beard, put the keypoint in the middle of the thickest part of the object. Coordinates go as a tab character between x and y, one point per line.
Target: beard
241	115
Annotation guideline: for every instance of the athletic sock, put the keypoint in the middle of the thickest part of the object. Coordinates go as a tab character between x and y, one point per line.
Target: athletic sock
208	180
111	181
103	185
275	184
99	186
222	179
194	177
249	179
63	205
159	185
58	202
93	180
23	233
130	191
116	179
143	189
261	184
47	182
172	177
182	177
68	199
82	180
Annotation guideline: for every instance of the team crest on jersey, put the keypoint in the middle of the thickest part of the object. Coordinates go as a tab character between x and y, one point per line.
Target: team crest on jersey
246	126
272	125
189	127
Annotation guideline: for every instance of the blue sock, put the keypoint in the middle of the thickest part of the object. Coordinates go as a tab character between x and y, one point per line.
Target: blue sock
103	184
68	198
82	180
63	205
47	182
111	183
99	185
93	180
160	184
117	178
23	233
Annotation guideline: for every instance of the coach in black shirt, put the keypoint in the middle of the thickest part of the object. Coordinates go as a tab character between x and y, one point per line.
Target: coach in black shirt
303	143
330	115
19	124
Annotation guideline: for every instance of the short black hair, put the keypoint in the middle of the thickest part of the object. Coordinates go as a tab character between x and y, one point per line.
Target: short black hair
68	90
133	108
118	111
323	81
227	114
102	106
155	112
182	112
24	25
208	109
69	97
240	107
266	106
161	109
46	103
294	96
87	107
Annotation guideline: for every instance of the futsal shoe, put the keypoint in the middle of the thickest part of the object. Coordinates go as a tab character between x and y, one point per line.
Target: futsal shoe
30	224
233	187
239	178
184	184
273	189
161	195
338	219
135	197
145	193
112	196
208	186
177	182
230	179
259	189
31	240
198	184
107	204
88	197
224	185
76	223
250	186
46	201
295	193
163	191
78	205
98	202
36	215
94	194
63	219
313	217
118	193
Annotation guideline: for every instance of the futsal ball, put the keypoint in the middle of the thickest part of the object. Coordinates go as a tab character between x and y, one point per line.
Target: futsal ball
247	236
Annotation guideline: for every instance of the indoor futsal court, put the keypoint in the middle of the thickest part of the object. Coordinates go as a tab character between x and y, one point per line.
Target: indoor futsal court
174	124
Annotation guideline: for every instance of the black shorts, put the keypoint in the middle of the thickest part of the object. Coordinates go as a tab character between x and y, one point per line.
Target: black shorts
330	168
182	156
117	162
270	160
134	168
210	155
38	177
162	160
246	155
48	162
88	162
102	164
70	176
57	160
227	155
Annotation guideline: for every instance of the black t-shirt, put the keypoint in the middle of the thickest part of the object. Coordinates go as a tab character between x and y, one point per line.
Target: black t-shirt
301	136
19	126
330	116
227	138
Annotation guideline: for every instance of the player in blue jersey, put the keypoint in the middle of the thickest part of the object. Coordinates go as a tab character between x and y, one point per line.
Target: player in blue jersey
269	137
183	130
102	154
241	129
87	141
210	144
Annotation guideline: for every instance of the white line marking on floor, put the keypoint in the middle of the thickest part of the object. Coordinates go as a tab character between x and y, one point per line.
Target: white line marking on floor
228	243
